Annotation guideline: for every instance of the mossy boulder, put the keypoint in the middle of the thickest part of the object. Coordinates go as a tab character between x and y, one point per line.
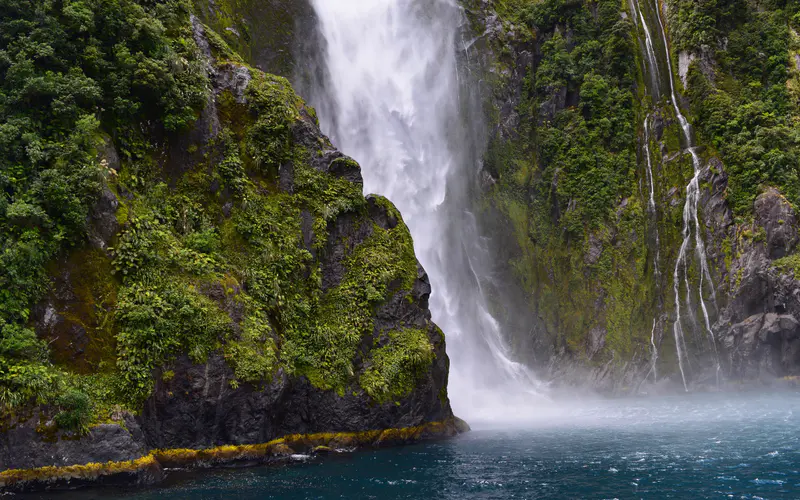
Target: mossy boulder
236	287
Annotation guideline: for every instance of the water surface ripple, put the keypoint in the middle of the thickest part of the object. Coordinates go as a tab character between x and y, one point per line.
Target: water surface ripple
688	446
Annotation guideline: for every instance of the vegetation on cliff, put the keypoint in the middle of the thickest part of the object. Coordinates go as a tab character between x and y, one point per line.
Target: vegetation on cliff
70	72
566	180
745	106
226	229
570	180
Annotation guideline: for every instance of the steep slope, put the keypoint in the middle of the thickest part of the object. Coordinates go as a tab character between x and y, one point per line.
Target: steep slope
188	262
585	187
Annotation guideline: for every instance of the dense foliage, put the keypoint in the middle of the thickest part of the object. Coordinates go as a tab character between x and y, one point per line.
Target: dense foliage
566	181
69	69
745	109
579	109
212	257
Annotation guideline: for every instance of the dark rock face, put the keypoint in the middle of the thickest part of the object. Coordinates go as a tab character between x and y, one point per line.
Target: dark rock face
203	405
199	408
776	216
763	345
757	328
22	446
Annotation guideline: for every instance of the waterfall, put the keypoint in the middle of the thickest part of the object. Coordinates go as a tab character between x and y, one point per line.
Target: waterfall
655	92
655	74
655	352
652	203
689	219
389	96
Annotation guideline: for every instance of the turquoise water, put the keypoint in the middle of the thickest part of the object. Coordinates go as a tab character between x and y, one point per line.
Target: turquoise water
698	446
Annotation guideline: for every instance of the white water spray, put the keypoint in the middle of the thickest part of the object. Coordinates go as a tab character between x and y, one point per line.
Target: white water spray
689	217
391	100
655	352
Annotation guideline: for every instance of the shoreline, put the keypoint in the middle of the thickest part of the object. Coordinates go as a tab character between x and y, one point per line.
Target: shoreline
148	470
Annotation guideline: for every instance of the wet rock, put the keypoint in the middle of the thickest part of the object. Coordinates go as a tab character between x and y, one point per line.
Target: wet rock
102	221
776	216
685	59
235	79
594	250
764	345
379	213
597	340
555	103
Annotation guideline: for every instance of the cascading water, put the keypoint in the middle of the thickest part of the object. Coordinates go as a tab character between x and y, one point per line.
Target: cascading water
390	98
651	181
689	219
655	73
652	209
655	93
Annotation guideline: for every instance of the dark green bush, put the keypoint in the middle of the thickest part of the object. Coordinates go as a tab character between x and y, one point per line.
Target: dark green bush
75	411
71	72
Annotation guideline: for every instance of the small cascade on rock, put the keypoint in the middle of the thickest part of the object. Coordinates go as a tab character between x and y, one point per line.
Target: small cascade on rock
388	92
652	61
651	205
653	368
655	92
689	220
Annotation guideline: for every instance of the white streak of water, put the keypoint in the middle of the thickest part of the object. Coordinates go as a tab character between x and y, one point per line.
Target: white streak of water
655	74
655	352
652	203
392	102
689	217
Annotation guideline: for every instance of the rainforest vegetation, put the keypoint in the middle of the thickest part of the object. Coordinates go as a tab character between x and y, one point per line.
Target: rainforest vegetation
210	255
571	180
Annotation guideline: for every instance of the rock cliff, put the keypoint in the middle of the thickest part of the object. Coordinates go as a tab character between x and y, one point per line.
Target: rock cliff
584	187
233	286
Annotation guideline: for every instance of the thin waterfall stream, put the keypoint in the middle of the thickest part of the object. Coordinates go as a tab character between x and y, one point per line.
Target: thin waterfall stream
391	101
690	219
655	93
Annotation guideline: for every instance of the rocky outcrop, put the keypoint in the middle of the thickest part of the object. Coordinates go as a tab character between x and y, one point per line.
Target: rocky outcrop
763	346
203	403
32	441
758	327
569	305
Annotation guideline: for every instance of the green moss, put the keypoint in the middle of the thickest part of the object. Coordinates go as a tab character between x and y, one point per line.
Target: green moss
395	368
379	267
92	309
212	255
220	49
253	356
790	263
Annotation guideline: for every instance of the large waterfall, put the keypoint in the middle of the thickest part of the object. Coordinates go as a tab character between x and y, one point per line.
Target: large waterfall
389	93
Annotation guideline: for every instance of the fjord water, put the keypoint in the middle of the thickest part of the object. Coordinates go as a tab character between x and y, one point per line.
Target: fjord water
744	446
389	94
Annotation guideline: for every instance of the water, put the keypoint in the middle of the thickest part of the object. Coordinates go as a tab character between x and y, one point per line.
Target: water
682	447
652	202
655	93
650	52
689	220
389	95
